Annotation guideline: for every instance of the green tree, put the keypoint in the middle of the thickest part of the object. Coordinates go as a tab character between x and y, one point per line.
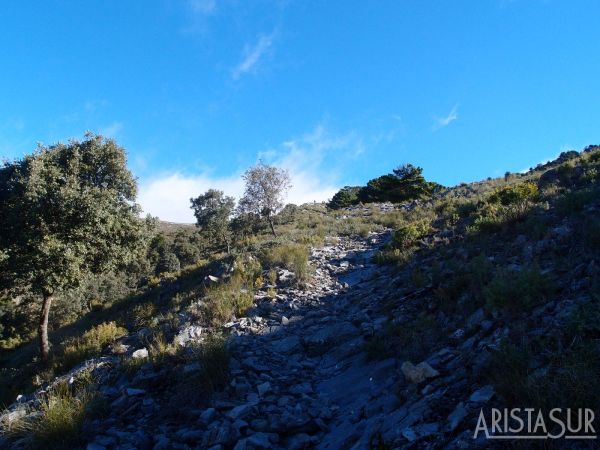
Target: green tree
213	210
347	196
188	246
405	183
168	262
266	187
67	211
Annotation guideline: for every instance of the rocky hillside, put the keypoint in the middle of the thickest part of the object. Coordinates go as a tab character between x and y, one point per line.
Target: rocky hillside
395	337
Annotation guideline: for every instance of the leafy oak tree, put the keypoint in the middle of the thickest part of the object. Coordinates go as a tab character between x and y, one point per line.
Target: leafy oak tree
67	211
213	210
266	187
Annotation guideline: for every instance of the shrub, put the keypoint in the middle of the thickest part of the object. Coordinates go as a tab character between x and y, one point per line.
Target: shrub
574	202
462	290
168	263
486	219
591	234
395	256
159	350
517	290
466	209
293	257
584	321
225	301
143	314
509	372
213	356
407	235
60	419
415	340
569	378
518	193
89	345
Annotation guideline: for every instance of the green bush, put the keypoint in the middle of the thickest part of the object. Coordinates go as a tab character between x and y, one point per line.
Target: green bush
487	218
516	291
168	263
293	257
406	236
462	290
569	379
225	301
584	321
213	356
575	202
60	419
393	256
89	345
591	234
518	193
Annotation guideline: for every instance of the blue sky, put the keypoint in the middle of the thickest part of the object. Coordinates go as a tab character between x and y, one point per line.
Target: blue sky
338	92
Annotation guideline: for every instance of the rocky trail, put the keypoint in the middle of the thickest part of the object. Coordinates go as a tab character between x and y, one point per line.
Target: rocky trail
299	374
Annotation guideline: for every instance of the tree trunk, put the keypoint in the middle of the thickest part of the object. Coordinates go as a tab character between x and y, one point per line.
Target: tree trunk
43	328
271	225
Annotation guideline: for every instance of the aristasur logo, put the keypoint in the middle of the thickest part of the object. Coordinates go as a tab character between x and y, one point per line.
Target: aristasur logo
532	423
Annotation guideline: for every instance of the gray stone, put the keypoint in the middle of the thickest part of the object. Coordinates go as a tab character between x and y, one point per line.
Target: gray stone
300	441
302	388
264	388
476	318
208	415
133	391
189	436
95	446
456	416
162	442
220	434
287	345
483	394
241	411
191	333
419	373
140	353
259	441
427	429
409	434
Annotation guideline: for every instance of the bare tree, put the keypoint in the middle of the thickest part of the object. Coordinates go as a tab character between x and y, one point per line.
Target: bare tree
266	187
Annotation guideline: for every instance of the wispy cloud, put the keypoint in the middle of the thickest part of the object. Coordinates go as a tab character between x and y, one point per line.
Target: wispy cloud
202	6
167	196
441	122
252	55
111	130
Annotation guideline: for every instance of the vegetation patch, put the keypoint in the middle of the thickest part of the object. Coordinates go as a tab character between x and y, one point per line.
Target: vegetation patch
518	291
89	345
58	422
293	257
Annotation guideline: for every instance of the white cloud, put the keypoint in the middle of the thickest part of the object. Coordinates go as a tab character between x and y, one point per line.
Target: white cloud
441	122
168	196
202	6
304	158
253	55
111	130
